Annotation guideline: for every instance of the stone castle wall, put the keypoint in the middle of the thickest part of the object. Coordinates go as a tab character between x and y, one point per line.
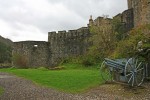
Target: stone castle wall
36	53
141	11
68	44
127	19
101	21
60	45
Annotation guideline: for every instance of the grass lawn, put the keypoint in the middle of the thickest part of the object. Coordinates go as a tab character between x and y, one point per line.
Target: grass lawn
1	90
69	80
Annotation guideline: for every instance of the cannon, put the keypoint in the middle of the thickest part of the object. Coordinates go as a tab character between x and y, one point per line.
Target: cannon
129	70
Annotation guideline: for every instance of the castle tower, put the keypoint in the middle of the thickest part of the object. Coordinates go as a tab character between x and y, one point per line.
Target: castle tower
90	21
130	3
141	10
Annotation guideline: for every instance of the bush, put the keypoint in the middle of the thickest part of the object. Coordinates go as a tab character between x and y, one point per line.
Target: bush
83	60
128	46
87	61
43	68
20	61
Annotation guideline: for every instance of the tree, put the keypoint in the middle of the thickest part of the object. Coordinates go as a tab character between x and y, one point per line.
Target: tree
5	53
119	29
128	46
103	38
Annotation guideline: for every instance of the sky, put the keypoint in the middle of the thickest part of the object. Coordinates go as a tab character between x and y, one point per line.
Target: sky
22	20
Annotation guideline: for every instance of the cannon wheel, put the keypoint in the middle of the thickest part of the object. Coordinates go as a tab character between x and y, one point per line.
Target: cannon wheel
106	72
134	72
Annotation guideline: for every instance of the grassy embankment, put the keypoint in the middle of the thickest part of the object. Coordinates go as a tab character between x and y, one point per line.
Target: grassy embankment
71	79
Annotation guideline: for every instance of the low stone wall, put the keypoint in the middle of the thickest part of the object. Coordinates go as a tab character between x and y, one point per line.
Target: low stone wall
36	53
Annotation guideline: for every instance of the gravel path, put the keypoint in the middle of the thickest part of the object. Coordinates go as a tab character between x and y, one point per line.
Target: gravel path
16	88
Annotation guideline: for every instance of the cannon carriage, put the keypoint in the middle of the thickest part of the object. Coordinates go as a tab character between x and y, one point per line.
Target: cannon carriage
129	70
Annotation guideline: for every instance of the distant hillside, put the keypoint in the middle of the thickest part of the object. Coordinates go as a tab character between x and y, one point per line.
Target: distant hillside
5	50
6	41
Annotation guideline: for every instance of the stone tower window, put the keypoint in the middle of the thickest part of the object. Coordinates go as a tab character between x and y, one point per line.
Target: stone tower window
35	46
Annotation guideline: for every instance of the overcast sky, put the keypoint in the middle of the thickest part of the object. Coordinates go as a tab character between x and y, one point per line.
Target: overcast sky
32	19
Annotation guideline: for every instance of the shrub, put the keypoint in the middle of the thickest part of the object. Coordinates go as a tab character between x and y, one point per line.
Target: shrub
87	61
43	68
128	46
20	61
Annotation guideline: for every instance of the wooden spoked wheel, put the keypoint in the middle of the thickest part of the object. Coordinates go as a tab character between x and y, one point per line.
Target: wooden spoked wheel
134	72
106	72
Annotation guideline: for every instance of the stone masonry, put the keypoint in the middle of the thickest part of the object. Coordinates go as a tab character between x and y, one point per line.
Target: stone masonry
141	11
60	45
68	44
36	53
127	19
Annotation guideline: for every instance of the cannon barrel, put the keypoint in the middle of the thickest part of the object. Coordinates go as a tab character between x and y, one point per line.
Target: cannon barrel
115	64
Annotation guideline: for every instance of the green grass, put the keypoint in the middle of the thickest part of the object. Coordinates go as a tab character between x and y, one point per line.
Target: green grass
1	90
69	80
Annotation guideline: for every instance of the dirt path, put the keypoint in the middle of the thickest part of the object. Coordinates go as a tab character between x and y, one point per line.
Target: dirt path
16	88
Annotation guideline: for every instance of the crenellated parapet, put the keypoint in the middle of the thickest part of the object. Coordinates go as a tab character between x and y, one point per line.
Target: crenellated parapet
60	35
100	22
70	43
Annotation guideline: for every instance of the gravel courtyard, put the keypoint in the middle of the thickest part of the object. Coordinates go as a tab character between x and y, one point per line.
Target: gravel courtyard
16	88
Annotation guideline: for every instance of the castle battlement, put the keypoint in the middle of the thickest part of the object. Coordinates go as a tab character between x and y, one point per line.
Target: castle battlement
61	35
